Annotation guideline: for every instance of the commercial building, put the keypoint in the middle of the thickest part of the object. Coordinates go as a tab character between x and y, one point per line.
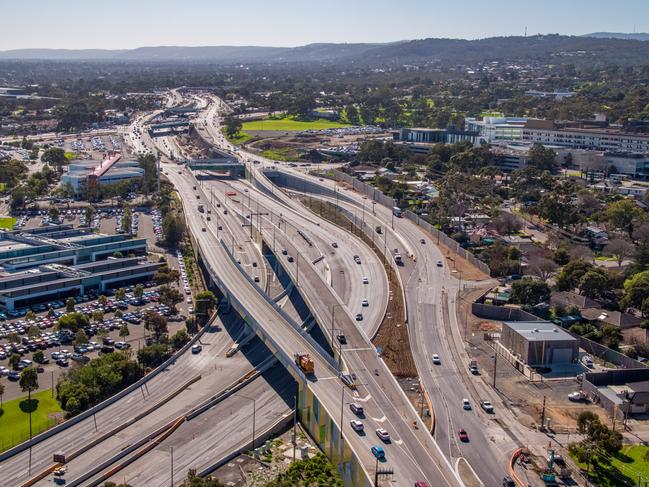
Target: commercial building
53	262
493	129
419	140
607	138
622	393
539	343
83	175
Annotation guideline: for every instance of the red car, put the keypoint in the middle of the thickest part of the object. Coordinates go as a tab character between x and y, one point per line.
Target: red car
463	435
421	484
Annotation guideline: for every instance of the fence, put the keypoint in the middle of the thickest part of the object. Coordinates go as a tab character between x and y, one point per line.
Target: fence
608	355
501	313
379	197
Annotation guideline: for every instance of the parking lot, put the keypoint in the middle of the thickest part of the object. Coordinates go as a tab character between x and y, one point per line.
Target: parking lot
26	337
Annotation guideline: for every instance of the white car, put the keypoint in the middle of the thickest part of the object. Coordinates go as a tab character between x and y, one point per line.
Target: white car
436	359
382	434
466	404
356	425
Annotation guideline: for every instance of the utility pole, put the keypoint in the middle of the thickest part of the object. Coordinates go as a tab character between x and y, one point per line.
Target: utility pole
495	365
543	415
171	451
294	425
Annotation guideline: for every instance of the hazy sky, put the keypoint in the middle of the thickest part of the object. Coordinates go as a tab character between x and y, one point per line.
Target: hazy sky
132	23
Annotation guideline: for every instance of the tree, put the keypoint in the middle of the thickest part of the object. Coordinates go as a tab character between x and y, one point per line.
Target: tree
620	249
123	331
302	106
89	213
55	156
205	303
138	292
97	315
233	126
50	313
30	316
120	294
153	355
542	268
165	275
507	223
178	339
191	325
53	212
28	381
38	356
636	290
193	480
569	277
80	338
34	332
2	392
73	321
541	158
611	336
70	303
150	178
155	323
594	284
173	228
14	358
624	215
170	296
530	292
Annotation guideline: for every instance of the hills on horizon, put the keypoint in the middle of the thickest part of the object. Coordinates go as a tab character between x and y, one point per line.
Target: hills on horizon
599	47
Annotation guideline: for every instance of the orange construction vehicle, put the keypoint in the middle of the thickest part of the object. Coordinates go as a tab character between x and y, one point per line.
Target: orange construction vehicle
305	362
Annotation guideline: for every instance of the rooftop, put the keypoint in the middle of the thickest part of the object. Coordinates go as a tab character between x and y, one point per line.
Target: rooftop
539	330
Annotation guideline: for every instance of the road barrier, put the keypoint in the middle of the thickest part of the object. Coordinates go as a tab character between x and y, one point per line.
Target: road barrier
511	467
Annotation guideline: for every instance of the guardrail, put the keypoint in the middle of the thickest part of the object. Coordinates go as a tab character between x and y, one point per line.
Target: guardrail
512	471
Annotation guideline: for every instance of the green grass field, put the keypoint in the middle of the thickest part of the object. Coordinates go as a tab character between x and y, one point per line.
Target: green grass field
14	420
624	469
7	222
283	154
290	124
240	138
2	186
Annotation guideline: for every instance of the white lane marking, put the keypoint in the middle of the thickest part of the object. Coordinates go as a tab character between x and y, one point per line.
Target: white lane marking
380	420
366	398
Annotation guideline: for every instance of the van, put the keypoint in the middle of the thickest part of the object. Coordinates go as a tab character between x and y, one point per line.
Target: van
356	408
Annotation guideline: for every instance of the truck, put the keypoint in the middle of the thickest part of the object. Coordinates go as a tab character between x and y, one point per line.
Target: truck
396	211
201	208
305	362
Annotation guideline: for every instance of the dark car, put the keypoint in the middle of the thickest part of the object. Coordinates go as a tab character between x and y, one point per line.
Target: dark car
341	338
107	349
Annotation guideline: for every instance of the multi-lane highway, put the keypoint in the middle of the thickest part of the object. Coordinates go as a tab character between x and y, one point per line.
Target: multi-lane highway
428	289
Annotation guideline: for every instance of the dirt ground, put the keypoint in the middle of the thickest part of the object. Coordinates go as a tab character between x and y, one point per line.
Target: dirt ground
392	336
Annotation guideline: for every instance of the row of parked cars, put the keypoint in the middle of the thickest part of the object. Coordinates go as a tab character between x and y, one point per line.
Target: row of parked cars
156	218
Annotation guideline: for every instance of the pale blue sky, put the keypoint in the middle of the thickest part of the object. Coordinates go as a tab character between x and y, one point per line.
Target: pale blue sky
115	24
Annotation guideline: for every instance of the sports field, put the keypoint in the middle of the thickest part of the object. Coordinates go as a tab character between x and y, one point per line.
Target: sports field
290	124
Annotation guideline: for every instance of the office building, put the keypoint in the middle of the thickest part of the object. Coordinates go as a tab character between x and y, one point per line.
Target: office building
50	263
84	175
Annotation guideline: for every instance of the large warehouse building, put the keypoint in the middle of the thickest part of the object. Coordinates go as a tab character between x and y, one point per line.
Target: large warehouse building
539	342
84	175
50	263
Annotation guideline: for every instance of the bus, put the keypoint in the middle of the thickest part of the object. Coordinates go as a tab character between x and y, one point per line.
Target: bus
396	211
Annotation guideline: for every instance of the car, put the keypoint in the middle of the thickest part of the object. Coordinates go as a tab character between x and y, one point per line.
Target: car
466	404
341	338
577	396
378	452
474	369
356	408
107	349
587	361
13	376
290	258
365	302
284	252
254	264
508	482
365	280
440	263
356	425
422	241
436	359
256	279
334	245
359	316
122	345
463	435
203	229
486	405
421	483
62	362
189	300
383	434
196	349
